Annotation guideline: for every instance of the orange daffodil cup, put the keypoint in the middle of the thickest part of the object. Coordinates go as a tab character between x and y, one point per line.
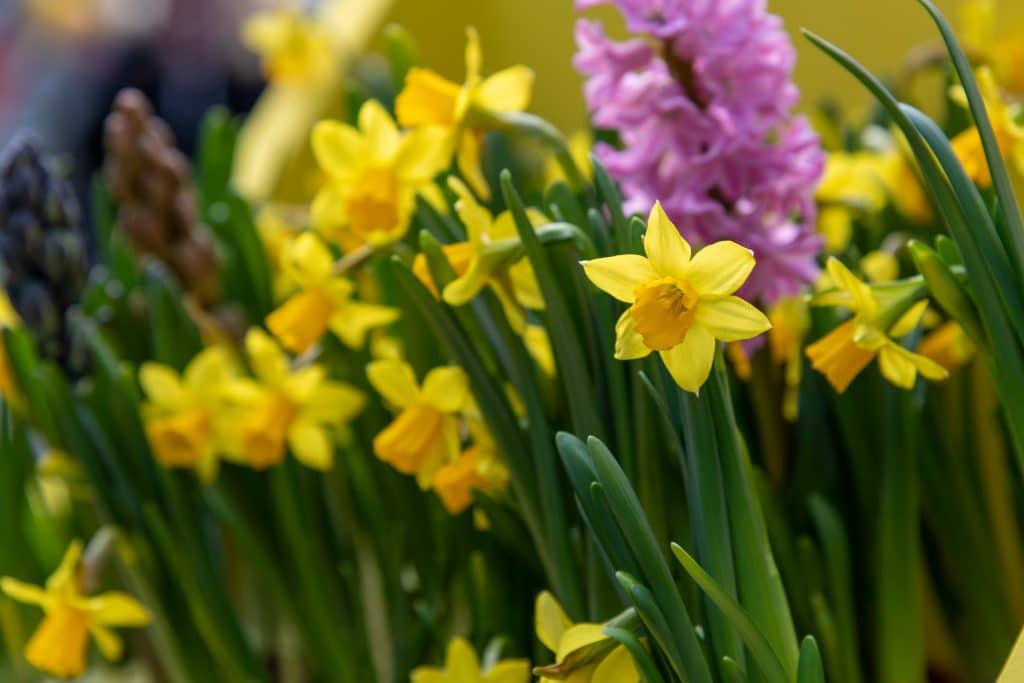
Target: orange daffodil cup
681	304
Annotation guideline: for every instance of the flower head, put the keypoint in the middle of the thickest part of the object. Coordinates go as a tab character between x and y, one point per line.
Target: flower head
374	173
289	406
294	47
583	653
425	434
492	257
848	349
702	106
480	467
323	301
58	647
185	414
679	305
1009	134
461	665
948	345
429	99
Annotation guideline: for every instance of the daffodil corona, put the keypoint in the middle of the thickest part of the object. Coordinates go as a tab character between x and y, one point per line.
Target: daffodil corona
58	647
428	99
679	305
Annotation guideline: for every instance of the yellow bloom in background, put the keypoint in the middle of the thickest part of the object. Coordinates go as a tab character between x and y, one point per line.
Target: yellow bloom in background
429	99
880	266
374	173
948	345
461	665
480	467
580	144
277	227
1009	134
979	23
790	323
58	646
293	47
679	306
324	301
848	349
8	319
185	414
583	653
492	257
293	406
425	434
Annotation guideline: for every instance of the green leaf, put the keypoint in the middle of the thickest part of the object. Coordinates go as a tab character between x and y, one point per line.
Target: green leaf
810	669
641	657
757	643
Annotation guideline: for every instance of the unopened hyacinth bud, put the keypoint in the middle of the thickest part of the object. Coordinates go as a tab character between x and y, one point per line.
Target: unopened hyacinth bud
42	248
150	179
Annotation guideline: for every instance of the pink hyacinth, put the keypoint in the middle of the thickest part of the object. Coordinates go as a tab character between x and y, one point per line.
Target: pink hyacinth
702	104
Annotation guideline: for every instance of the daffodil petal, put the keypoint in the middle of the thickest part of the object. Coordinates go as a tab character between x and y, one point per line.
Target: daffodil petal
161	384
473	55
628	342
550	620
108	642
462	289
616	667
579	636
446	389
338	149
328	211
422	154
65	574
619	275
863	300
382	136
909	320
896	366
429	674
668	252
689	363
355	319
508	671
506	90
308	261
334	403
461	663
525	286
266	358
117	609
468	160
720	268
24	592
210	367
730	318
310	444
477	219
394	380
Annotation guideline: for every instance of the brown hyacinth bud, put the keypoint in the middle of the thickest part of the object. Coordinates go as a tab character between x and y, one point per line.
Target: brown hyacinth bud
151	181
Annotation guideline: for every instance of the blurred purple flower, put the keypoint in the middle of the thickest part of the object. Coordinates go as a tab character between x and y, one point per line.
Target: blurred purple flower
702	103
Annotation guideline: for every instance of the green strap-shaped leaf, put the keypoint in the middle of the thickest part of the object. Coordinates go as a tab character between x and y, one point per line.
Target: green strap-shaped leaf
810	669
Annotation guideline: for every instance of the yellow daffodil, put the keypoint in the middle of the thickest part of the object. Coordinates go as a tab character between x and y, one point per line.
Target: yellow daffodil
479	467
679	305
979	24
492	257
461	665
848	349
294	47
277	227
374	173
948	345
425	434
324	301
583	653
429	99
580	144
293	406
186	420
58	647
1009	134
8	318
790	323
538	345
880	266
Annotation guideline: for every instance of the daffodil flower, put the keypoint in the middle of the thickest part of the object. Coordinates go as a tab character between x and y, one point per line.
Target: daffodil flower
461	665
492	257
480	467
324	301
679	305
374	173
185	414
277	229
583	653
297	407
1009	134
58	646
425	434
790	321
8	318
294	48
948	345
429	99
844	352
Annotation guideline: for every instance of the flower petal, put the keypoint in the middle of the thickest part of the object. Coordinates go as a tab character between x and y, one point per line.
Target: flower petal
689	363
668	252
65	574
863	300
579	636
508	671
310	444
108	642
446	388
334	403
550	620
461	663
328	211
619	275
382	136
720	268
24	592
395	381
467	158
269	363
616	667
422	154
355	319
909	320
474	55
506	90
730	318
339	149
428	674
628	342
117	609
161	384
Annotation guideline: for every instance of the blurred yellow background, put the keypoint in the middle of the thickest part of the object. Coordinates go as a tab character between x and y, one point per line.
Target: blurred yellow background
539	33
